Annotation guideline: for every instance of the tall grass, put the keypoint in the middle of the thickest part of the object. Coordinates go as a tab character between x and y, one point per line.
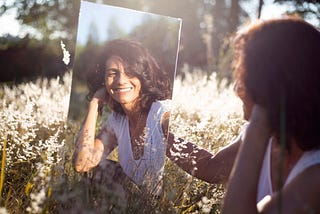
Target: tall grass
31	134
37	173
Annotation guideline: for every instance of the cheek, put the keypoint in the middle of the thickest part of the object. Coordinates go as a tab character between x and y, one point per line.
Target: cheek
137	83
247	109
247	106
108	88
108	83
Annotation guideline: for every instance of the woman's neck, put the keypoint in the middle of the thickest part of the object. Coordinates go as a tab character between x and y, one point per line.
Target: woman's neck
131	110
290	159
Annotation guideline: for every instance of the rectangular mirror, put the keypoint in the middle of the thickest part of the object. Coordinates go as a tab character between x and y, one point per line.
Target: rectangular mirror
122	83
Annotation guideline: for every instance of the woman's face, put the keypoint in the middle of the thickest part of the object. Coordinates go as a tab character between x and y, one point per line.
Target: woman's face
122	88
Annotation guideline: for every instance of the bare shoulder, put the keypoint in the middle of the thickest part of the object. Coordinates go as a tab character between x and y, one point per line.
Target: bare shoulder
301	195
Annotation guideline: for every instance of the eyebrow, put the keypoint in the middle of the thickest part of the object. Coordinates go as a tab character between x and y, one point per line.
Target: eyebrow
112	69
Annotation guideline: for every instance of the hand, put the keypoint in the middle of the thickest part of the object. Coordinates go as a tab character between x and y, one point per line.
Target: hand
259	121
259	115
100	96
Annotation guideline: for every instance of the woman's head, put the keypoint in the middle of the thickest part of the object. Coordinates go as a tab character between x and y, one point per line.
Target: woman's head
136	62
277	67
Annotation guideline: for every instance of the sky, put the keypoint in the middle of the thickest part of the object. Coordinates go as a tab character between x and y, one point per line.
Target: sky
9	25
269	9
101	15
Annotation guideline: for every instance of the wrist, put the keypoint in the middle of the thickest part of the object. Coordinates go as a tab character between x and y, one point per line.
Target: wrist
94	104
94	101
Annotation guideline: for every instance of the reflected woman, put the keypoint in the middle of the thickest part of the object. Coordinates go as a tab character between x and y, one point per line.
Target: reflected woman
132	84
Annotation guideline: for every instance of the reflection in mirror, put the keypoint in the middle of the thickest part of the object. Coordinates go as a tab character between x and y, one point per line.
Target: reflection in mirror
120	99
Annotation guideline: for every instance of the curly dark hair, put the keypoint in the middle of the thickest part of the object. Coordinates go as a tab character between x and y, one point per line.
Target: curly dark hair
277	65
138	62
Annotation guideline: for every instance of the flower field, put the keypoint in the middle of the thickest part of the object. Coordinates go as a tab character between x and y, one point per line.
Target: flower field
37	143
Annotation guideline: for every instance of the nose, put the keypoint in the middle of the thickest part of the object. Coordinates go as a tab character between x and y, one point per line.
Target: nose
121	77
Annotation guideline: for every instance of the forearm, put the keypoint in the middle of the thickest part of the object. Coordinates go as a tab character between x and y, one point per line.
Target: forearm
186	155
85	157
201	163
88	151
242	188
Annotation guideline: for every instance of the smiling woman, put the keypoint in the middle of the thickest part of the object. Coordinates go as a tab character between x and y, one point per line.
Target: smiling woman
130	81
122	88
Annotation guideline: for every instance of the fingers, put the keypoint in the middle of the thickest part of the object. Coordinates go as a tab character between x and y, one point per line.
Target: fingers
100	94
259	114
259	123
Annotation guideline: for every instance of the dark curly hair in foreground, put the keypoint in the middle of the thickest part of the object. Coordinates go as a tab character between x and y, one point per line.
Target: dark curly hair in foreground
277	63
138	62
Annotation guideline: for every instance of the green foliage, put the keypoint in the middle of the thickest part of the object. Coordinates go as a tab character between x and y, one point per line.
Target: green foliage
48	17
202	42
309	9
58	19
28	59
160	29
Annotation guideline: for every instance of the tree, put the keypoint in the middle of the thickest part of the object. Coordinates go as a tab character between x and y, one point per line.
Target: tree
114	31
159	29
260	8
206	23
51	18
93	37
308	9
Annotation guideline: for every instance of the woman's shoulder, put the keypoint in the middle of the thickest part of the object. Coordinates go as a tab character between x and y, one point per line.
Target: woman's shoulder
162	104
308	165
300	196
113	119
308	159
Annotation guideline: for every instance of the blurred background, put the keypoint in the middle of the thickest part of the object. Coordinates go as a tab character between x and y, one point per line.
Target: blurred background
31	31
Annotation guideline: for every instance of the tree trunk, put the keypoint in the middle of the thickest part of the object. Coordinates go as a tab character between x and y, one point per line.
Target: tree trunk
260	8
234	16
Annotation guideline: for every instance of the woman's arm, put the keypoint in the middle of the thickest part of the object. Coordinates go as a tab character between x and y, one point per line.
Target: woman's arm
301	195
89	150
242	188
199	162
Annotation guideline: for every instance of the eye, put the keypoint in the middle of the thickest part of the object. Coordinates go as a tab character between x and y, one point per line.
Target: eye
111	72
129	72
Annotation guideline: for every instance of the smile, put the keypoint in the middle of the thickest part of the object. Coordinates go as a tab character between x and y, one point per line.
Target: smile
122	89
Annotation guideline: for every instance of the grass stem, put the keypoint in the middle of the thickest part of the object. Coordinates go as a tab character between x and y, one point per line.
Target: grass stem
3	164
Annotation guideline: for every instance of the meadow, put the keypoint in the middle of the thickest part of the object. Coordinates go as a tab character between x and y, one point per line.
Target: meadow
37	143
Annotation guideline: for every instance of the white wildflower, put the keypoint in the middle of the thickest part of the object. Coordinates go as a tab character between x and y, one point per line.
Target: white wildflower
66	54
3	210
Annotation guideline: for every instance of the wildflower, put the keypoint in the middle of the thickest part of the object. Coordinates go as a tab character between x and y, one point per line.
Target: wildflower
66	54
3	210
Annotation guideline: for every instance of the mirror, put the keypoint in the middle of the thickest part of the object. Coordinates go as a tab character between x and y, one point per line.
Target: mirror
122	83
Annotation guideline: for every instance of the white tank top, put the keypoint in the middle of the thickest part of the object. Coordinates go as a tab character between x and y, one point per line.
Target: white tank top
146	172
308	159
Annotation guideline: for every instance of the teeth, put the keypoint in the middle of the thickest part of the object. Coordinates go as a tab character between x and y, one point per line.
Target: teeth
122	89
